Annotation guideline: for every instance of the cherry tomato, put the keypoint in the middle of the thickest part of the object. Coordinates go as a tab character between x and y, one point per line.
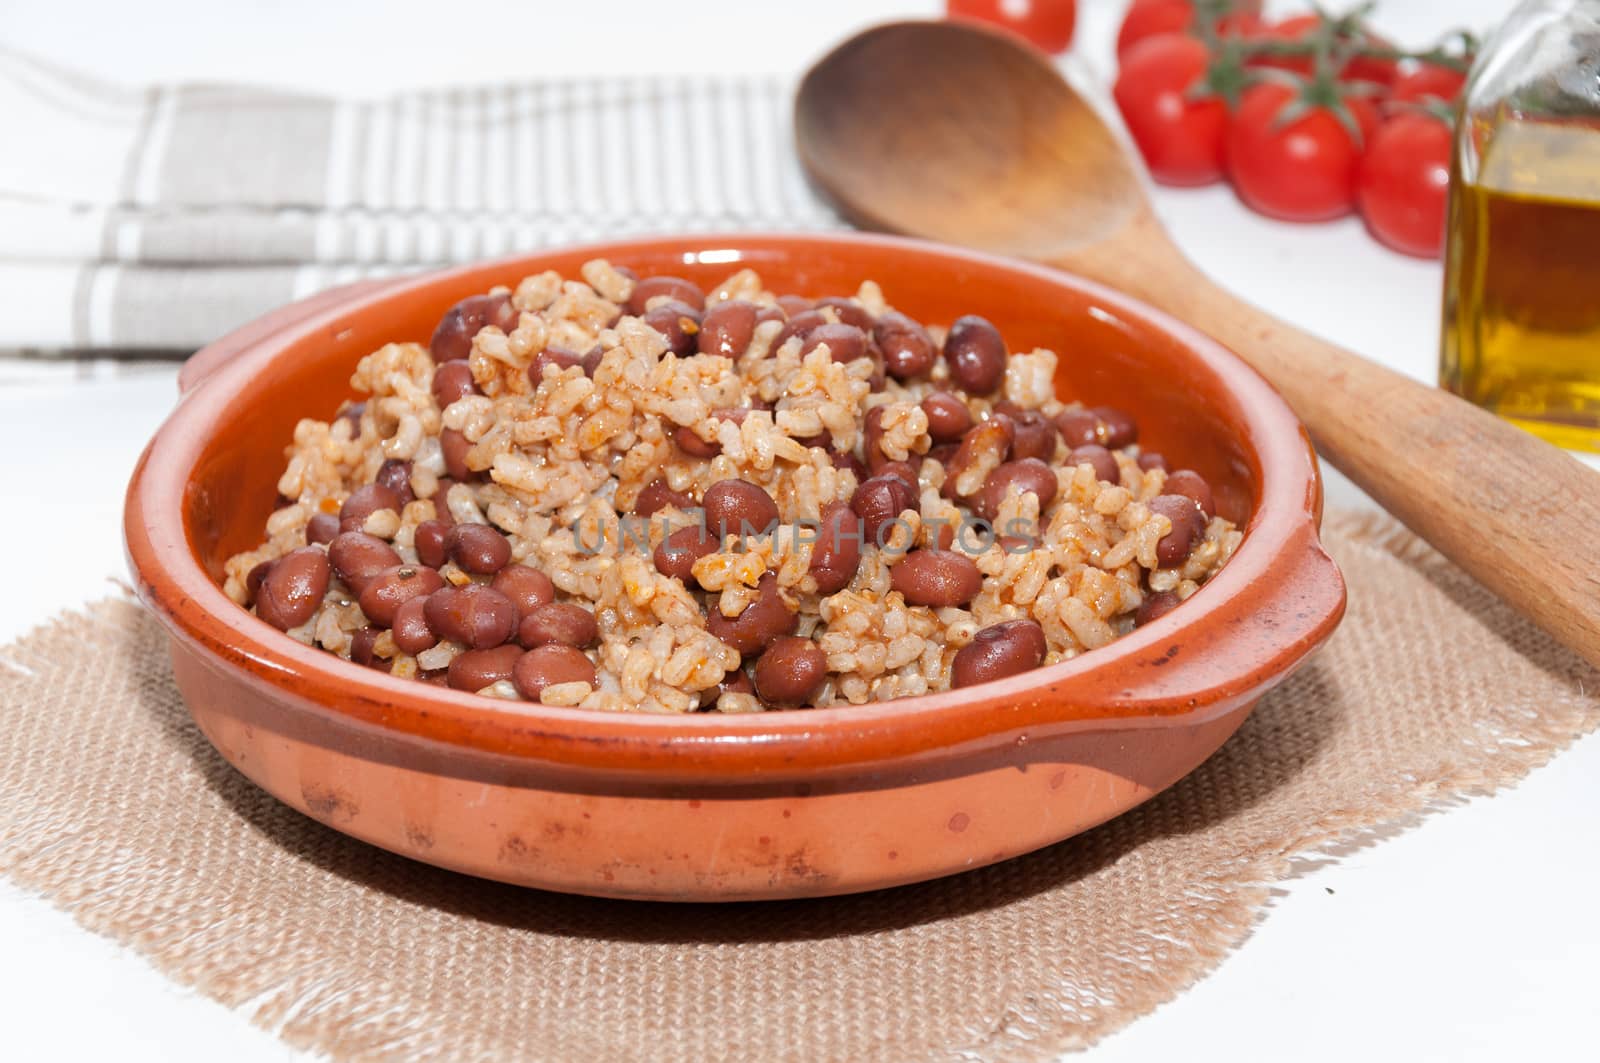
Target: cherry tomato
1242	24
1181	138
1425	80
1299	27
1404	183
1303	170
1048	24
1151	18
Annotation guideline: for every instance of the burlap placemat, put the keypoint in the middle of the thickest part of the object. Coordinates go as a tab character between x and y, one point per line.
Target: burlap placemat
113	806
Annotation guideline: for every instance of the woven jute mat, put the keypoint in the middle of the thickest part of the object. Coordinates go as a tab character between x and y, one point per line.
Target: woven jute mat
113	806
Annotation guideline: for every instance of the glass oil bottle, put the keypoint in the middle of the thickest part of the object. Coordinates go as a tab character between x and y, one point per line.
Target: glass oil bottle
1522	284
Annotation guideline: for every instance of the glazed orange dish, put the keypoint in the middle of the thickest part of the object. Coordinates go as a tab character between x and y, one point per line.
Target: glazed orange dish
629	494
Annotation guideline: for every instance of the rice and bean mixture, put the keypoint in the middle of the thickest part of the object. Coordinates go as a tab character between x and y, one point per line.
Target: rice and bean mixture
630	494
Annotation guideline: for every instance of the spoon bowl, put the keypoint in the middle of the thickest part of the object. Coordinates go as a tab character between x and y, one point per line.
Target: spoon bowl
953	133
966	135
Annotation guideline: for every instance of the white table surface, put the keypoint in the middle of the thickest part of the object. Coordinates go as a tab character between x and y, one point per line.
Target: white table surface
1468	935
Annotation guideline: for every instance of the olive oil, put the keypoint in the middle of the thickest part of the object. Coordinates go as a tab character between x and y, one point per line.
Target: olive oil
1522	284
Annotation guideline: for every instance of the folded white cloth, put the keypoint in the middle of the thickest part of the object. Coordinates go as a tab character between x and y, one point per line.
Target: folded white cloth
161	217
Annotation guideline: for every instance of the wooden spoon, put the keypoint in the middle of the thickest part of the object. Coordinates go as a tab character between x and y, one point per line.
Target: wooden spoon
967	136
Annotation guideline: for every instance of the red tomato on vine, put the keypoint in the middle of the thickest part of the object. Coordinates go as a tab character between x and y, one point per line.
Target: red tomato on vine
1047	24
1425	81
1180	129
1152	18
1404	182
1294	153
1360	68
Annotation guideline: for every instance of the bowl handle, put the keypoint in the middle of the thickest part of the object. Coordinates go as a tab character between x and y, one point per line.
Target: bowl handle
220	352
1273	630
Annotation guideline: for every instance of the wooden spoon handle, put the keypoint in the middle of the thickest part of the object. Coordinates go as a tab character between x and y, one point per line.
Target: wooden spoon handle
1518	514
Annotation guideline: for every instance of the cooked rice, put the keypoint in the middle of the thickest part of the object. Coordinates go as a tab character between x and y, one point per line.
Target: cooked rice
566	454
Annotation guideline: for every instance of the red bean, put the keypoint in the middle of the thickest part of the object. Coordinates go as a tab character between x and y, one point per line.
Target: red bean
1152	460
801	325
843	459
364	502
363	642
948	417
735	682
1029	474
453	381
1191	484
476	669
441	498
937	578
872	439
847	311
474	615
321	528
976	354
253	578
739	507
1018	544
878	380
679	551
1102	460
396	476
1188	526
672	287
559	357
386	592
410	629
551	665
728	328
592	360
1117	428
358	557
454	445
692	445
678	322
452	340
792	305
765	619
1078	428
558	622
657	496
880	501
845	343
990	439
1007	649
1156	605
836	555
791	671
908	350
1033	434
429	540
904	472
477	548
293	588
527	587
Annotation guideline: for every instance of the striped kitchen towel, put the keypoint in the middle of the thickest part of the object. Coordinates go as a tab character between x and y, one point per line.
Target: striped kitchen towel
159	218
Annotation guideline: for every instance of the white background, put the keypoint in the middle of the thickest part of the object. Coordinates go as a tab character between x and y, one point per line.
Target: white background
1467	936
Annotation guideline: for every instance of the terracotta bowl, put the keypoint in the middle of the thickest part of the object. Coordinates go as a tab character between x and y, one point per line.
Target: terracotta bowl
710	807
